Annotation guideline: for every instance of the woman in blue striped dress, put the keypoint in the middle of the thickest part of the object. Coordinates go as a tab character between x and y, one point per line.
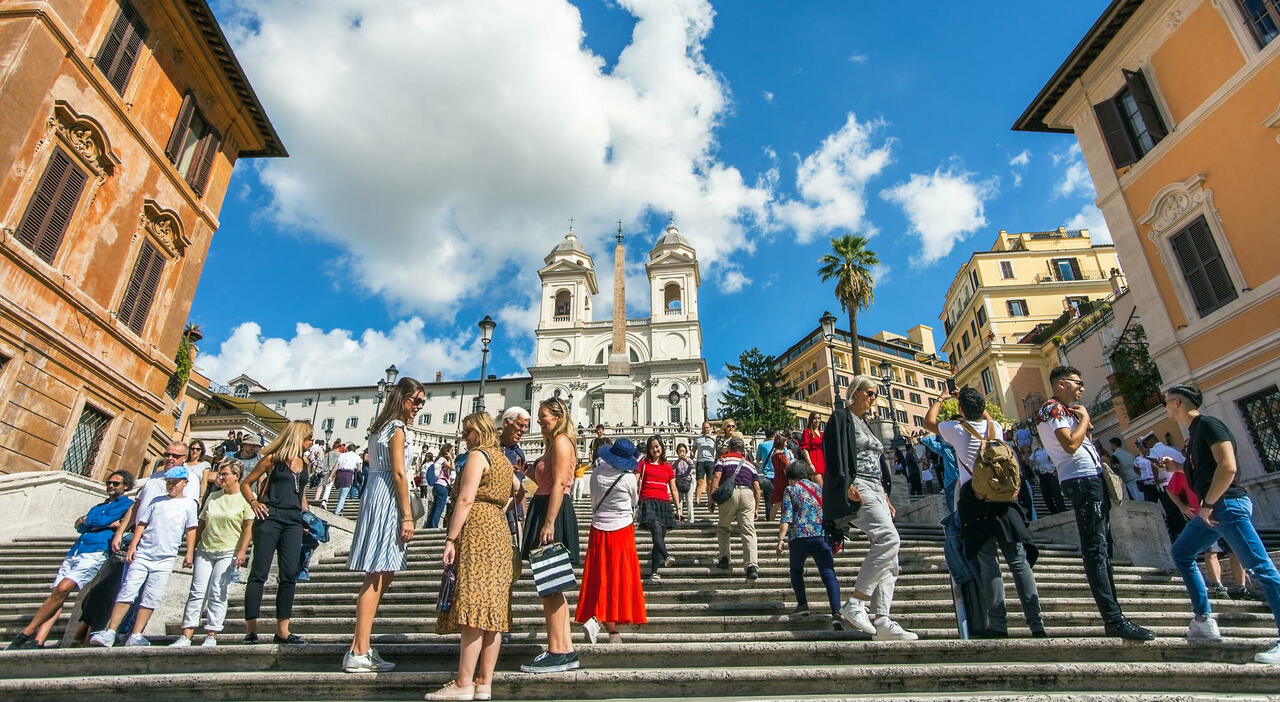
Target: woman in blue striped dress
385	525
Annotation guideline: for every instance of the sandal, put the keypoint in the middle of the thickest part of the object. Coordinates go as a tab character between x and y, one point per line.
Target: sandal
452	691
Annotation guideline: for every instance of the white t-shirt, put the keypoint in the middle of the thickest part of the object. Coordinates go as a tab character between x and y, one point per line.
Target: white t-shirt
965	444
1142	464
1041	460
349	460
1162	450
167	520
1084	463
155	488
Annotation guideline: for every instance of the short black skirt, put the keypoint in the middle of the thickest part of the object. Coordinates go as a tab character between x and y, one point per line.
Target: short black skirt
659	511
566	526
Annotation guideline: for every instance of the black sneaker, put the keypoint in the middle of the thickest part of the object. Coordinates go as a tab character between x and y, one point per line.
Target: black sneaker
548	662
1218	592
1127	630
1242	593
752	572
799	612
723	563
1039	634
837	624
22	642
251	638
992	634
290	640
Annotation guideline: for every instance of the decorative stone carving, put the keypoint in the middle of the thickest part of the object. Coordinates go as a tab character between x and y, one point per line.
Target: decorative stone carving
1173	19
85	136
165	227
1174	201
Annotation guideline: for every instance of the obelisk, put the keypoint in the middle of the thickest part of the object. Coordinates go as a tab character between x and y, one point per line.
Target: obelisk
618	388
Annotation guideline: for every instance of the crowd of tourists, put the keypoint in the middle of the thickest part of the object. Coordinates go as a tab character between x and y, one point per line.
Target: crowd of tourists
500	510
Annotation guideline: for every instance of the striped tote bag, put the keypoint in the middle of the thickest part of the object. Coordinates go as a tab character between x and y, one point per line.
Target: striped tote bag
552	571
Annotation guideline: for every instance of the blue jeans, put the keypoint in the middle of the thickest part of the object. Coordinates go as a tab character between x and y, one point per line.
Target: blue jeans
342	499
817	547
441	496
1234	525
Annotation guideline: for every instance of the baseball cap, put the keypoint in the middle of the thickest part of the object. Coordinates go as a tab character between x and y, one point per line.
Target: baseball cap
251	439
176	473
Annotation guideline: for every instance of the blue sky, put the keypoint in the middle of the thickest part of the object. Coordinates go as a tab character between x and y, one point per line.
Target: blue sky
438	151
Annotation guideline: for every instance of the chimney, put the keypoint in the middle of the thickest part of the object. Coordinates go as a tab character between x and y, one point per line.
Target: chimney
439	376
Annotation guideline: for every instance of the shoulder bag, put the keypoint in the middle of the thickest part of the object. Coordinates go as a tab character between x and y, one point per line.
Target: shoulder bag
724	490
833	537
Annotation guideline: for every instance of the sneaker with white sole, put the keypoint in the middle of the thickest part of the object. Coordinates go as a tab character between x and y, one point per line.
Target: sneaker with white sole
105	638
547	662
353	662
1271	656
855	614
209	642
384	666
137	640
1203	631
592	628
180	642
889	630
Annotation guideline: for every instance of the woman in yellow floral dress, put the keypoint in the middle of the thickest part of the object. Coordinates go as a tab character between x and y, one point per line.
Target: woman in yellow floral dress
479	540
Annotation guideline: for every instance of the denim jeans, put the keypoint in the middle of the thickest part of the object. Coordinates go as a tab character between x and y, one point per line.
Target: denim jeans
441	495
992	585
1234	525
1090	502
816	546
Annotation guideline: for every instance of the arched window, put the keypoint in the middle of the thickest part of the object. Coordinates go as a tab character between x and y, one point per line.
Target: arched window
564	302
603	354
671	298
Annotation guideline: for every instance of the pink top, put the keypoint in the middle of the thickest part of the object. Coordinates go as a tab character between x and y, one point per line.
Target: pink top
543	476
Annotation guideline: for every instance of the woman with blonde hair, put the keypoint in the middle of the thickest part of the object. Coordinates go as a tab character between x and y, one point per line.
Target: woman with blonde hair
551	520
479	543
385	525
281	480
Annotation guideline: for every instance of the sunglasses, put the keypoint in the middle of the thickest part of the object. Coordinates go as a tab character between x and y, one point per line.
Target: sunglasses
115	483
418	401
872	394
176	455
1077	381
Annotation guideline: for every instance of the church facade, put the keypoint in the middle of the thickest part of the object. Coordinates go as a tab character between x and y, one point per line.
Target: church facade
620	371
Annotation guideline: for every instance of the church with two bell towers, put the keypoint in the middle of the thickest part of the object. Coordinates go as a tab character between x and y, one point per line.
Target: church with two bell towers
620	371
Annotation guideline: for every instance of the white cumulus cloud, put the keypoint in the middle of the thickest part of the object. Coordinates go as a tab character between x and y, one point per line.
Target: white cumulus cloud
768	96
1090	217
942	208
832	181
1075	180
733	281
455	136
317	358
1018	165
714	389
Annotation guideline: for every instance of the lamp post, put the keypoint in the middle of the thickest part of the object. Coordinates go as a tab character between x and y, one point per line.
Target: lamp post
828	322
886	373
328	438
383	384
487	326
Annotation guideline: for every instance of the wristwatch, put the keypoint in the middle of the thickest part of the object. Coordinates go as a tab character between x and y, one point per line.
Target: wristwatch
1207	505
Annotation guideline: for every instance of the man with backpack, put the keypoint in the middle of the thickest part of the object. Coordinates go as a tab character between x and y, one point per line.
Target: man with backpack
988	511
1063	424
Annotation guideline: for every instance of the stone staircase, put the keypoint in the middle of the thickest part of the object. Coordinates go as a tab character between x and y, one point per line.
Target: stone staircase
711	635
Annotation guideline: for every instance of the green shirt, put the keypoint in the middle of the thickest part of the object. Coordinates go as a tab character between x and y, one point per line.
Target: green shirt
223	515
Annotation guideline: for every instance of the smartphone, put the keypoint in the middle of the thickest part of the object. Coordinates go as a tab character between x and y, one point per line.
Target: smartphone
951	385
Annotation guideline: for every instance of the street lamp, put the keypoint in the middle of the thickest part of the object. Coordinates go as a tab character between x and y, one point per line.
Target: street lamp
828	322
886	373
487	326
328	437
392	372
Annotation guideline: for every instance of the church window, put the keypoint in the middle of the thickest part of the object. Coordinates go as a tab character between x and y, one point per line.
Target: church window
671	298
564	302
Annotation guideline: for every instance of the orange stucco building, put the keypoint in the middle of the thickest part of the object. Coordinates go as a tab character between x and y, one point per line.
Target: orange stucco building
122	121
1176	105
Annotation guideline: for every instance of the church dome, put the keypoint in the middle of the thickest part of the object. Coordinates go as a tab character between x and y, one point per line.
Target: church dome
671	237
570	244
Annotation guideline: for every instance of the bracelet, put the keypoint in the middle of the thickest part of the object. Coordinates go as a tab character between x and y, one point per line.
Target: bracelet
1207	505
450	539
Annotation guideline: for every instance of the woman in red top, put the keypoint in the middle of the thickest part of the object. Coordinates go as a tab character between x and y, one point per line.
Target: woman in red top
811	444
658	504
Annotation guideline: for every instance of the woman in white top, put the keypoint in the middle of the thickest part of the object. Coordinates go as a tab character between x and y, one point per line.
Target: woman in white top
440	491
611	592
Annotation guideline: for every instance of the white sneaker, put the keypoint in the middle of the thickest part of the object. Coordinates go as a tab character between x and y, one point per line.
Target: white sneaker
889	630
353	663
105	638
209	641
181	642
1203	631
140	640
383	665
855	614
592	628
1271	656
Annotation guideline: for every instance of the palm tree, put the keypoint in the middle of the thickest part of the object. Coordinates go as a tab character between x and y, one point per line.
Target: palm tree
850	263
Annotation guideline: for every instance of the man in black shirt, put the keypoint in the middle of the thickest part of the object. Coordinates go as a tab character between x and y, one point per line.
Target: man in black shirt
1225	511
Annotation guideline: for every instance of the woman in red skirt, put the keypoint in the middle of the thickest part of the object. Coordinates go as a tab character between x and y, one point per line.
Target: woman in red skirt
811	444
611	593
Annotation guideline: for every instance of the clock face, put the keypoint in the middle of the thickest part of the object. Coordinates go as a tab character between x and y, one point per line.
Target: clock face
560	348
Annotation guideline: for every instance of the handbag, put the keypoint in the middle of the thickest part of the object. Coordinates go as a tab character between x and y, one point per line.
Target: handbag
448	587
552	571
724	490
416	507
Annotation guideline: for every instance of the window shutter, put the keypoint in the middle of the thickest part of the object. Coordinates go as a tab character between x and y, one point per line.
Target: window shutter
1147	109
1111	122
141	289
129	52
109	54
200	173
1075	269
180	127
1203	267
54	201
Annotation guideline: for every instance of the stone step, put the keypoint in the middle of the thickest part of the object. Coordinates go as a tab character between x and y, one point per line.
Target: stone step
626	682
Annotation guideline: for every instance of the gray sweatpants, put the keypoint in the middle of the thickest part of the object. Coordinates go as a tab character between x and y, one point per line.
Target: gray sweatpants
879	571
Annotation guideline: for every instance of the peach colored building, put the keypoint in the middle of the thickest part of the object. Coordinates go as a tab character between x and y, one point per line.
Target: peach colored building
1176	106
121	124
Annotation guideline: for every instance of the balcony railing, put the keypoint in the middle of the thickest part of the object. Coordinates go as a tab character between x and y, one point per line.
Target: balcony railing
1056	278
560	318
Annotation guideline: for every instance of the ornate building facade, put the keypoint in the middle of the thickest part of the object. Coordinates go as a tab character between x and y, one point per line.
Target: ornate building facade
622	371
122	123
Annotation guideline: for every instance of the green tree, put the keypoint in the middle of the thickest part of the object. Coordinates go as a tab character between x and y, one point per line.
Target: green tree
757	394
950	409
850	263
1136	379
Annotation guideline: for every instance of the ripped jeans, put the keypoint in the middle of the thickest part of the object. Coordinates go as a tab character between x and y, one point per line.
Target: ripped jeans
1234	525
1090	502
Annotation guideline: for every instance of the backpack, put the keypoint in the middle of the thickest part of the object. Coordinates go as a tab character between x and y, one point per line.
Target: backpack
430	478
684	478
995	469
